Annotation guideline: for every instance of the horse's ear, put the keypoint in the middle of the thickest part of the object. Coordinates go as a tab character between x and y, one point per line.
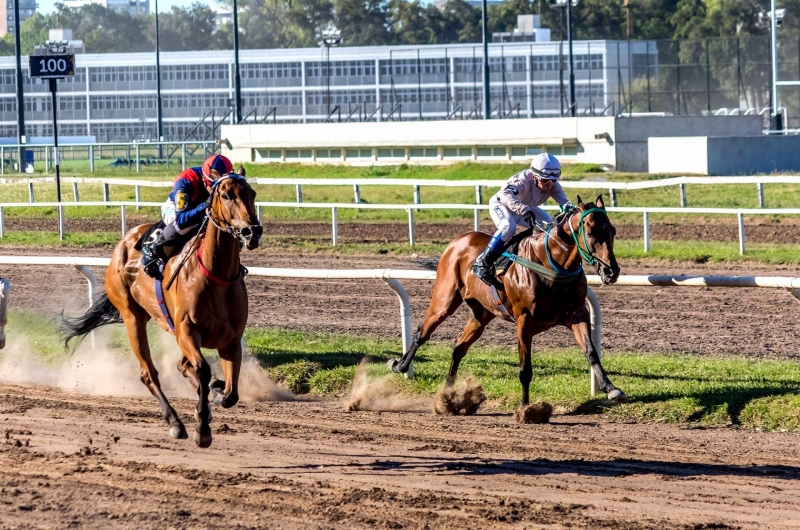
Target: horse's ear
241	170
600	203
580	203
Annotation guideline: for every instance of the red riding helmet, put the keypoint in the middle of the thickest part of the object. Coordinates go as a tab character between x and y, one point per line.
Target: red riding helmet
220	164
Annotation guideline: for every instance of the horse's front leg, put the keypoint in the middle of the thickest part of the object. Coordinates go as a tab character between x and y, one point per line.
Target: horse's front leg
189	343
578	322
525	332
5	288
226	393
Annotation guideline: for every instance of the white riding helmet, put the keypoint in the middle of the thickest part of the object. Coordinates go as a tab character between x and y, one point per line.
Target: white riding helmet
546	166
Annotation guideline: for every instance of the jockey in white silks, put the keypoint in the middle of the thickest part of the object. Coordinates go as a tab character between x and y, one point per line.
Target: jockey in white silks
517	204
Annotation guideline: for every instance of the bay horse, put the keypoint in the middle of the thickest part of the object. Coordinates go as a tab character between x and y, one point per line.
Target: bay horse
531	299
207	302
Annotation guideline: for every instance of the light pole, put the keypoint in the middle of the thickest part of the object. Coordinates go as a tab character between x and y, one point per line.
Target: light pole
487	95
20	94
237	77
775	16
568	5
159	112
330	38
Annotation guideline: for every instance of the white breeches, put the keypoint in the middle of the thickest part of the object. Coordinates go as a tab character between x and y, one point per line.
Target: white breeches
508	221
168	214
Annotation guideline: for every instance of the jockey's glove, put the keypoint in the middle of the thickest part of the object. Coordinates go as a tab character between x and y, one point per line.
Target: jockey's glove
567	206
530	218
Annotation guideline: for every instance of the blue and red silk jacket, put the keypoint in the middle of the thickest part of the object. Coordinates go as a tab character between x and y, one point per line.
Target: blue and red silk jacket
189	195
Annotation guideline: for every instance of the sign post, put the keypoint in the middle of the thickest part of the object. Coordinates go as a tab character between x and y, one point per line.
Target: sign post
53	67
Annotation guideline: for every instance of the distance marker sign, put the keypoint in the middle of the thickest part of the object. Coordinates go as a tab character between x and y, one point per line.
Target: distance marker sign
51	66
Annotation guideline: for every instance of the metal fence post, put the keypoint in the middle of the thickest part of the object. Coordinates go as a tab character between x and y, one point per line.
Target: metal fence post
47	159
75	193
61	223
683	195
138	196
183	156
476	222
417	197
2	222
412	232
612	193
138	152
106	192
478	195
357	193
298	192
30	191
334	226
2	160
760	188
740	217
646	232
91	159
128	155
124	220
258	215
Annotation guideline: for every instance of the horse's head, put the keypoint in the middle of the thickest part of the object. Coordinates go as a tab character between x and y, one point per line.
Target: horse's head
233	207
598	238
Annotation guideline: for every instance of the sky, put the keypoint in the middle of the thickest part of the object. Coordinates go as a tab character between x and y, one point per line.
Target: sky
48	6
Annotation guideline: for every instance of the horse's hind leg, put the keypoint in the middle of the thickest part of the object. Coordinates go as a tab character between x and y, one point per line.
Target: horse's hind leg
578	322
135	324
477	322
444	302
189	343
226	393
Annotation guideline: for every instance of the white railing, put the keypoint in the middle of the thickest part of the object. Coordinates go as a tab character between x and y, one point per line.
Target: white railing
410	209
391	277
416	185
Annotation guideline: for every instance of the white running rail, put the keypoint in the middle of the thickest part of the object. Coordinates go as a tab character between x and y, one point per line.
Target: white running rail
410	209
391	277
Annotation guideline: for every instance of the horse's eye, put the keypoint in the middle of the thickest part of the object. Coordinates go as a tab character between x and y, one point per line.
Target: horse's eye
226	196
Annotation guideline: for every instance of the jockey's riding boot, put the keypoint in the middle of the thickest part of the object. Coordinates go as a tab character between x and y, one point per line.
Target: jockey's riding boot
151	261
484	265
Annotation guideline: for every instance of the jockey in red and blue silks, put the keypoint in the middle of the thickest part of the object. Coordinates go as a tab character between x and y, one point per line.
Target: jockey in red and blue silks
184	209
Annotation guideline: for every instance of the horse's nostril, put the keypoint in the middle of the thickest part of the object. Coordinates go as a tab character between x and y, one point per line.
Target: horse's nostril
246	232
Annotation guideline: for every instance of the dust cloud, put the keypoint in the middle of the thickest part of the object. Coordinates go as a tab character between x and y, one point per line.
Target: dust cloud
379	394
459	400
103	370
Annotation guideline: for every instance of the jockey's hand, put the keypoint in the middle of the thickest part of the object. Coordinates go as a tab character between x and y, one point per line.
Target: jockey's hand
530	218
567	206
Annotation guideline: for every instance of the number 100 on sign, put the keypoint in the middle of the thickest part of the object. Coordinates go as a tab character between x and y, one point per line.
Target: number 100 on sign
51	66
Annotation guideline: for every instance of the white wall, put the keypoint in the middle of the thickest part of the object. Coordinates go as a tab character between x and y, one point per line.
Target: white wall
686	155
245	140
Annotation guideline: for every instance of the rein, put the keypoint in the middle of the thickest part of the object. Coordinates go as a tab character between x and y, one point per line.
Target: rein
559	273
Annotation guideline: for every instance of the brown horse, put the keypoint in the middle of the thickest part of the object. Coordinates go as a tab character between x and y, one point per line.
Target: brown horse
534	302
207	302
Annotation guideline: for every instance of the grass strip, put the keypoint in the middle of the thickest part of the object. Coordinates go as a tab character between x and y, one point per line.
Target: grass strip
686	389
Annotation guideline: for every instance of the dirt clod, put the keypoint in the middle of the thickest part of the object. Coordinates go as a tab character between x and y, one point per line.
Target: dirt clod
460	400
536	413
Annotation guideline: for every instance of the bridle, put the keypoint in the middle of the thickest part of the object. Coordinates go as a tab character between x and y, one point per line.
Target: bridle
577	237
218	224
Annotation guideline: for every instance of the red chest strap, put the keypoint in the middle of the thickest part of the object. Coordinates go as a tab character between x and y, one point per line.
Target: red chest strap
211	277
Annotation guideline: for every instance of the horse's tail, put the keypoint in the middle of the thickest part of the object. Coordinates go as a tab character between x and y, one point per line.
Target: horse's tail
430	264
101	313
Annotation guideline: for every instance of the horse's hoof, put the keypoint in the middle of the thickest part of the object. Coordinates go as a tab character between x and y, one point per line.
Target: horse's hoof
392	365
617	396
202	440
178	431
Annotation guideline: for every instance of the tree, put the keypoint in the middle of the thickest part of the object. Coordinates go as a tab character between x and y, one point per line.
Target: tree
363	22
184	29
409	24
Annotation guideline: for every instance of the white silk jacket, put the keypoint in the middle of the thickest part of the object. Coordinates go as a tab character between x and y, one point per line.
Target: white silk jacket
520	193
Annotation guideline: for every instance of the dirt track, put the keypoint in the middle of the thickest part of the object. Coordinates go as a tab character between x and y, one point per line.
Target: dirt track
71	460
750	322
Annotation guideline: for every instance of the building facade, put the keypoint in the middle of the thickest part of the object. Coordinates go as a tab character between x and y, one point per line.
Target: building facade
132	7
27	8
113	96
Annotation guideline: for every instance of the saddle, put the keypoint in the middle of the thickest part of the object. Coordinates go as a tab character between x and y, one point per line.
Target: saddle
170	248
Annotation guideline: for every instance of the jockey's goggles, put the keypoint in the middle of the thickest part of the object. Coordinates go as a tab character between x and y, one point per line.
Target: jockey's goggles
547	174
